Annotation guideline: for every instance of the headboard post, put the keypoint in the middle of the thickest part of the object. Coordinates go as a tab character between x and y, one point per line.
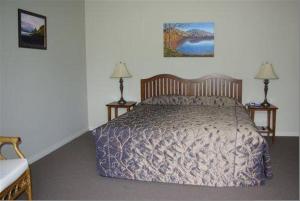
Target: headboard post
142	90
190	89
210	85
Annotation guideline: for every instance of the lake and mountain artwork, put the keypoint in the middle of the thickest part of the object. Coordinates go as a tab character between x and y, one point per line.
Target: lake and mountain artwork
189	39
32	30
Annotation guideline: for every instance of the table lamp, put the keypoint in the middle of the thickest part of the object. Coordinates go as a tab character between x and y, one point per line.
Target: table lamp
121	72
266	73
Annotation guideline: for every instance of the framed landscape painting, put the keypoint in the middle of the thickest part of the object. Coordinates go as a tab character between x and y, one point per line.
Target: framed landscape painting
32	30
189	39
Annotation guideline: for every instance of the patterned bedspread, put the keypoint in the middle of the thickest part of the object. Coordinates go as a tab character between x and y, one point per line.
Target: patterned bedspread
207	141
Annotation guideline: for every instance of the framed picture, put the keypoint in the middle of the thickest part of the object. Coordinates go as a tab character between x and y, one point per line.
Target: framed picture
189	39
32	30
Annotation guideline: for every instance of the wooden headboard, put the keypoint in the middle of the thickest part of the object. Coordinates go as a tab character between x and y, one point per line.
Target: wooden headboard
210	85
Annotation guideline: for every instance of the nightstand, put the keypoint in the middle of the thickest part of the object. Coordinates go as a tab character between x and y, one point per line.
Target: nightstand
128	105
271	118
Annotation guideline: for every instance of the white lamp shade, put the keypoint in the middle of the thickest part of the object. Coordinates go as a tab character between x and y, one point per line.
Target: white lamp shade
120	71
266	72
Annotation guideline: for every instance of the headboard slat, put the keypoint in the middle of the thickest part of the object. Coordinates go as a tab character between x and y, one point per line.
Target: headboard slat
217	85
221	87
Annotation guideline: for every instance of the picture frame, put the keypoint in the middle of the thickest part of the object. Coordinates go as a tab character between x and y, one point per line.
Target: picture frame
32	30
195	39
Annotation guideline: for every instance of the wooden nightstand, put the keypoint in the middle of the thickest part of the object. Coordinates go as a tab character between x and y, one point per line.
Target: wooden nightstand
271	118
129	105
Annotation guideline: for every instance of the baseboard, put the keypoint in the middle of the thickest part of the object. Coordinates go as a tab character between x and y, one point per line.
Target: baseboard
55	146
93	127
287	134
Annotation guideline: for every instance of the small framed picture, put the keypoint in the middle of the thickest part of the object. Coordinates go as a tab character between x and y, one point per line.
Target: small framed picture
32	30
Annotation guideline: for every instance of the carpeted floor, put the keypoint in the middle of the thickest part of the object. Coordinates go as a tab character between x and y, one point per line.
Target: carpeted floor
70	173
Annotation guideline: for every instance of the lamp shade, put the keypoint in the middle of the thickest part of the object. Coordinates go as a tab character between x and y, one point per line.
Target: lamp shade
120	71
266	72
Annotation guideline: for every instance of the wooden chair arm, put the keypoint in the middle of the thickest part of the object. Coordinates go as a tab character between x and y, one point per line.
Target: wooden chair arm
14	141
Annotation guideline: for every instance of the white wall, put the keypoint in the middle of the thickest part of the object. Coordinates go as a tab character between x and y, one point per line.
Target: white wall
247	33
1	65
44	97
299	57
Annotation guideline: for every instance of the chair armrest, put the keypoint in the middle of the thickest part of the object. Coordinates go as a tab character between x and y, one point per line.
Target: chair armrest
14	141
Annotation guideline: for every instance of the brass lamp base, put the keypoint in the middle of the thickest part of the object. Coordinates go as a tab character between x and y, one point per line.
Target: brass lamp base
122	101
265	104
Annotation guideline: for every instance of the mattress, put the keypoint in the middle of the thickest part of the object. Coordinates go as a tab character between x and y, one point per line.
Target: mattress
209	141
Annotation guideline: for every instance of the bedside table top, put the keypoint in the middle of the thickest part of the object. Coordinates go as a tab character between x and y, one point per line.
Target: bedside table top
259	107
127	104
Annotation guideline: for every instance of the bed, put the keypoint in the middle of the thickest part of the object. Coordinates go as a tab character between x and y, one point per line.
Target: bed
187	132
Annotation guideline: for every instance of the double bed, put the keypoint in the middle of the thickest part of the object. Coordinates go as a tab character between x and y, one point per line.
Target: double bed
187	132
